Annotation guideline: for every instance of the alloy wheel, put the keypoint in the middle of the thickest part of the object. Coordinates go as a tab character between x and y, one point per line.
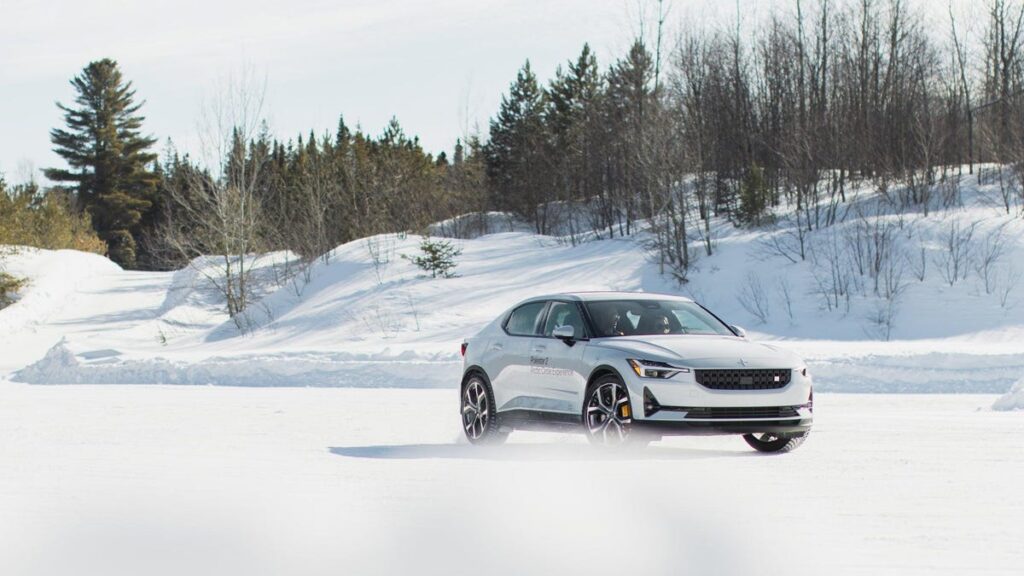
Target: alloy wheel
476	410
608	415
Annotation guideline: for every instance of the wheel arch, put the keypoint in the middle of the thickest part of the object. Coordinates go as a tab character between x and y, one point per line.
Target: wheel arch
601	371
471	371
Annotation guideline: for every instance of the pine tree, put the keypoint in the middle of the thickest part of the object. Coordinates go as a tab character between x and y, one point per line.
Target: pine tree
571	118
754	193
632	111
109	159
438	257
516	159
460	153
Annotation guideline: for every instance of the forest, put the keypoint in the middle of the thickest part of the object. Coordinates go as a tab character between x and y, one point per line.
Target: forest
771	128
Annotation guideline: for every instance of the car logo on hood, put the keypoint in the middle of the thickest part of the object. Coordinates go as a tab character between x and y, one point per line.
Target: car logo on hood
743	362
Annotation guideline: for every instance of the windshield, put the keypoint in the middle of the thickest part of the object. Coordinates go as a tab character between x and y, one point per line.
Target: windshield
652	317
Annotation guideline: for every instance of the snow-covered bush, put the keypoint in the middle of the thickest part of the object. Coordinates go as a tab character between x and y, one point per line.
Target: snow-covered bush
1012	400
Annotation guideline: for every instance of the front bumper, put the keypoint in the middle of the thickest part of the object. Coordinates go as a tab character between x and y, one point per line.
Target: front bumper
705	428
679	405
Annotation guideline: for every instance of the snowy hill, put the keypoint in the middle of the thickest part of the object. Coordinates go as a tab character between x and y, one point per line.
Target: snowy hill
367	317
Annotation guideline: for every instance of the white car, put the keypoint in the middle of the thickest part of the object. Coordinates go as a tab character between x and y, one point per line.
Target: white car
628	368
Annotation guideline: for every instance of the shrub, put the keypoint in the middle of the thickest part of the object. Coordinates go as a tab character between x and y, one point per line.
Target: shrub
9	286
30	218
438	257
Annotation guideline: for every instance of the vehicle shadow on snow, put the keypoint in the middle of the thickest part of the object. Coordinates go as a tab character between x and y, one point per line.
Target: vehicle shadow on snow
526	452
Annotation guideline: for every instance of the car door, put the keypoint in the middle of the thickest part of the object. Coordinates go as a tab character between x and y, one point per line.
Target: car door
509	368
557	373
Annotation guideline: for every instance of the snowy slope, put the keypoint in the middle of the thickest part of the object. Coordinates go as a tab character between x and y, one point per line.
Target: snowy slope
357	323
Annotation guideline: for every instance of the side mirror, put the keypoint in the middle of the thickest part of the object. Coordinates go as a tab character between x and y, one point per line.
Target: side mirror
739	331
566	333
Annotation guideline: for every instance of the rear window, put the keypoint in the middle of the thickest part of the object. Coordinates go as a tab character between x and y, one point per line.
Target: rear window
524	320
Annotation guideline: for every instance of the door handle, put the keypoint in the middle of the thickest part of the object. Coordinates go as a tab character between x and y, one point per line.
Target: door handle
497	346
540	348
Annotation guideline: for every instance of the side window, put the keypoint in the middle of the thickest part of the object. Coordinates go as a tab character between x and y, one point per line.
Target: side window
564	314
524	320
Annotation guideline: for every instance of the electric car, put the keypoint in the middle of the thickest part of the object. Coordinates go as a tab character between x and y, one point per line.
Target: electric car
629	368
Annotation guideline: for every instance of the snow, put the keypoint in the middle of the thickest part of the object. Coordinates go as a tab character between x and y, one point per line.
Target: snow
119	480
355	324
1013	399
364	316
333	445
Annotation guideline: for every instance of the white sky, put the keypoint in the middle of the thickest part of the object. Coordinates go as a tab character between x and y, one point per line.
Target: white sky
440	67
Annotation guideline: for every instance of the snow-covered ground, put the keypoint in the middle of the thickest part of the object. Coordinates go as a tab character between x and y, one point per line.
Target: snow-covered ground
368	318
161	480
330	454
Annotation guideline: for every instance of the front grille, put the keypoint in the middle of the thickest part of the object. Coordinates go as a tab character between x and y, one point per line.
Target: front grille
740	413
753	379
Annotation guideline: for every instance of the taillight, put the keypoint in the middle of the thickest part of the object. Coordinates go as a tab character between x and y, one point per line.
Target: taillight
464	346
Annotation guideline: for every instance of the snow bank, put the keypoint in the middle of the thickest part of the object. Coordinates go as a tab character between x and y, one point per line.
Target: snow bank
926	372
1012	400
61	366
53	279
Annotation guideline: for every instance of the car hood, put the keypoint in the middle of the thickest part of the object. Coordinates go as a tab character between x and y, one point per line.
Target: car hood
702	351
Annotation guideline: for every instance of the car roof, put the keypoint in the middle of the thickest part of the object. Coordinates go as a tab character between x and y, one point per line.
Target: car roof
597	296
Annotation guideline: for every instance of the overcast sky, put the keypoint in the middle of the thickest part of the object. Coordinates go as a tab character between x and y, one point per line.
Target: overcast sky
439	66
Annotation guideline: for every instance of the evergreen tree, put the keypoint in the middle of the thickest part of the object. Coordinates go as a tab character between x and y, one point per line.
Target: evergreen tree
754	197
516	160
571	117
438	257
460	153
632	109
109	159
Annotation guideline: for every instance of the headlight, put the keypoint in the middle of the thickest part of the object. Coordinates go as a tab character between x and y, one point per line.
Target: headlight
652	369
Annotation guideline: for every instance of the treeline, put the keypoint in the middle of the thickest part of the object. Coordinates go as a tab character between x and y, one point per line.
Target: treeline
308	195
727	122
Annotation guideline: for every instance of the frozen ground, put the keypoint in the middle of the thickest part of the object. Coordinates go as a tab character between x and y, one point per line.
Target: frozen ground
160	480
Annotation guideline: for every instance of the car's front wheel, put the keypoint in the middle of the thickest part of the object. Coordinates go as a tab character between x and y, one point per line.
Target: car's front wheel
774	443
479	418
608	415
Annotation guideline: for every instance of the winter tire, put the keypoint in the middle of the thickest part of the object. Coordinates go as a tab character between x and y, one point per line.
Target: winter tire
607	414
771	443
480	421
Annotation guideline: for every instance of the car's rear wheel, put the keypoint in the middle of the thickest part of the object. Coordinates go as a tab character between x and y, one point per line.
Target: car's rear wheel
775	443
479	418
608	415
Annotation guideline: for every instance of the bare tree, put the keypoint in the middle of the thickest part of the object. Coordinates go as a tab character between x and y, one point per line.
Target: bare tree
918	263
754	298
831	272
1007	284
953	262
882	319
216	210
987	255
786	294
